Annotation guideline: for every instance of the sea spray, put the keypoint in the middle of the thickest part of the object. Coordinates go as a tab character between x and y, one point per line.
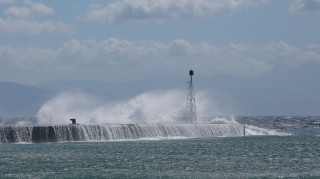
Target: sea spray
149	107
66	105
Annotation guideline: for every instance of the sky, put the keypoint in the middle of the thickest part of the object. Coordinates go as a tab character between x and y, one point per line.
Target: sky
124	40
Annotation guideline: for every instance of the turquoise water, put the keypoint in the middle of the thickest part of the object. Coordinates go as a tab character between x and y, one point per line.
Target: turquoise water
236	157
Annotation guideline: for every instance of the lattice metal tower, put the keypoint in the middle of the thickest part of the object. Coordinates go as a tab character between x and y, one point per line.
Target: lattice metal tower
191	111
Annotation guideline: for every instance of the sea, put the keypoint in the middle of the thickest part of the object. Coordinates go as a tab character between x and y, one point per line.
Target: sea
274	147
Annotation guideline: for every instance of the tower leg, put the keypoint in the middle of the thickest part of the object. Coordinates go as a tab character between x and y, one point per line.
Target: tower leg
191	112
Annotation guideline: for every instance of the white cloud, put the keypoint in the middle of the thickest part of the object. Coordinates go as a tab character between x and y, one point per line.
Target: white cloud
282	52
25	59
124	11
22	20
314	52
7	1
33	27
314	46
301	6
35	9
115	59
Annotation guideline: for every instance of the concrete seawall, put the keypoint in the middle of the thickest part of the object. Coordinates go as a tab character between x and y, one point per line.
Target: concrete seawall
105	132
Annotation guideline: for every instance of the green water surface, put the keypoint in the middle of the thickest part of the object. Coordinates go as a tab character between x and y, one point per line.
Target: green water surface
238	157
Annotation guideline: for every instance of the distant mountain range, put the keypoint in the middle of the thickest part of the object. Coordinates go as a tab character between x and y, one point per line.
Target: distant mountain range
21	100
283	91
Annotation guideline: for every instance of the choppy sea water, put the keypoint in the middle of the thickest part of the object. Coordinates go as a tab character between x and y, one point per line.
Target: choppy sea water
255	156
239	157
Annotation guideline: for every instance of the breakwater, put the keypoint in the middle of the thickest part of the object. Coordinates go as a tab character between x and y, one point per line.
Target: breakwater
108	132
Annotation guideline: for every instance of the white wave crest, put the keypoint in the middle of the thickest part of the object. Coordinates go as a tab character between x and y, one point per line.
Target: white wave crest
250	129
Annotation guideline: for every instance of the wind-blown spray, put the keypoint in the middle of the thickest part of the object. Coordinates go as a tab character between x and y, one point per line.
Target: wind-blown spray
149	107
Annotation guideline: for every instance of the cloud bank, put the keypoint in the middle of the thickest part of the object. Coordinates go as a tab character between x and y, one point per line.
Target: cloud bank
302	6
116	59
23	20
126	11
7	1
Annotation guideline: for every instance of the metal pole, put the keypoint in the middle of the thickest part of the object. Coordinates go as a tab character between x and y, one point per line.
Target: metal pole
191	112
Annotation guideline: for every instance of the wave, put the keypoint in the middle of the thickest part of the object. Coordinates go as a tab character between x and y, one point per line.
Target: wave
250	129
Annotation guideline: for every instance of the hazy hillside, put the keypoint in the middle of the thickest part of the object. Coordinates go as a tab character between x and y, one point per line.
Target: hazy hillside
283	91
21	100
